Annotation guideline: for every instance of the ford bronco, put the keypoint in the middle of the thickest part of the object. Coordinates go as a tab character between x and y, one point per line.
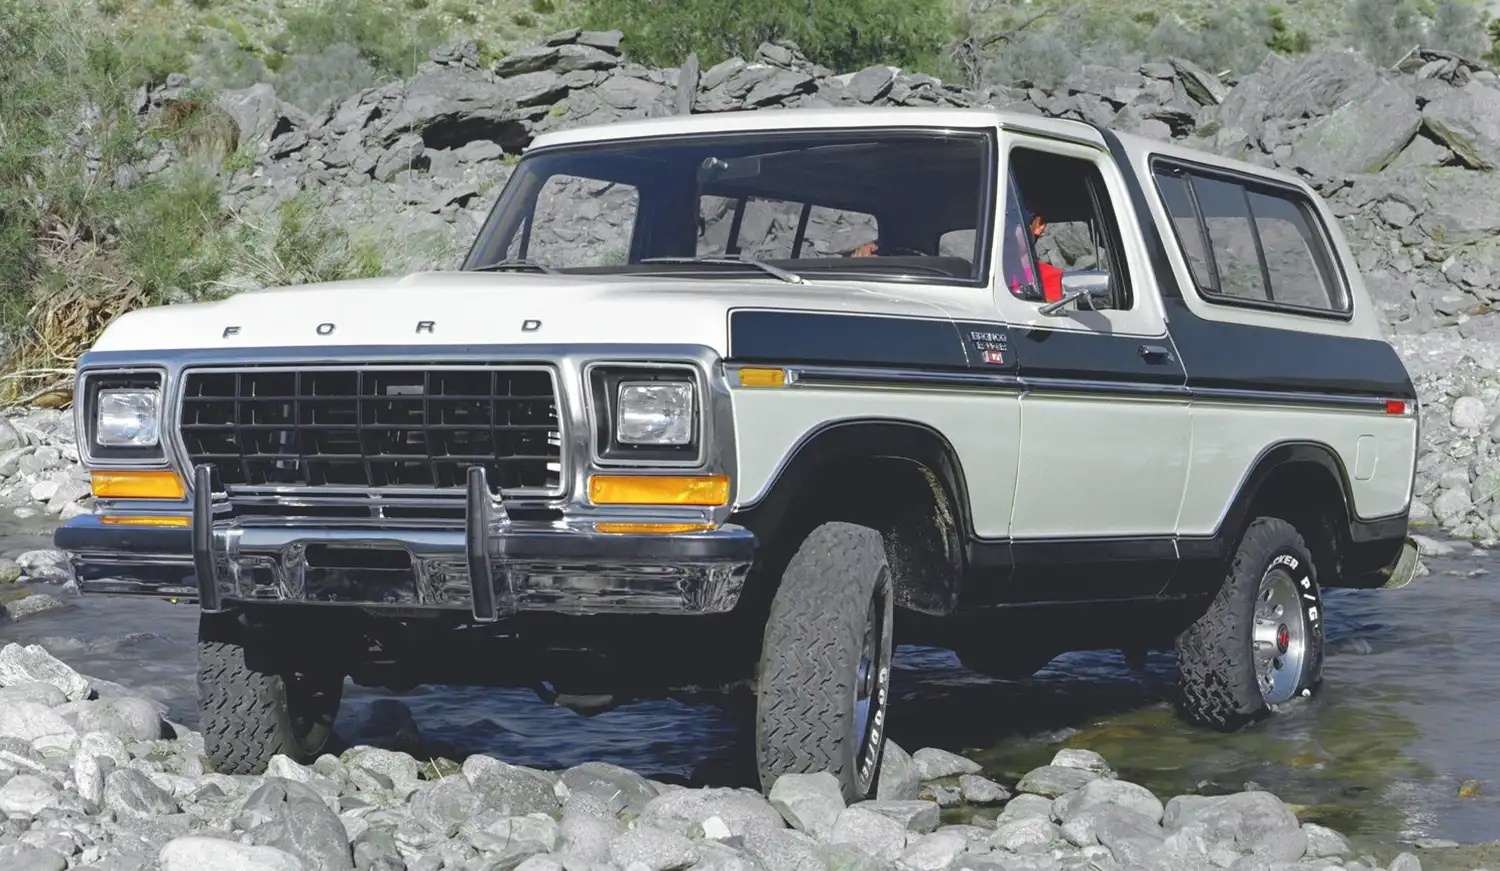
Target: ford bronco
744	400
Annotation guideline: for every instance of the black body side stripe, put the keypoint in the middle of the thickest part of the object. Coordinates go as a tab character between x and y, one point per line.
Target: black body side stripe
845	340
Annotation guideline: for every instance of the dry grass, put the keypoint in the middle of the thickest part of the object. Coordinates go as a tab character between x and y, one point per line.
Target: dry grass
94	288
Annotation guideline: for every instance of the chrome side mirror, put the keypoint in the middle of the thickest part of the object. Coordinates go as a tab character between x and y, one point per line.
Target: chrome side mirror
1085	289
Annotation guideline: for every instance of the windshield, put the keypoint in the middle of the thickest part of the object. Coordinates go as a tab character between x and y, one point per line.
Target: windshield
908	204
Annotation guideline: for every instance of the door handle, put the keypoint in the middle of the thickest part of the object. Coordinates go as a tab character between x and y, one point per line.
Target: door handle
1155	354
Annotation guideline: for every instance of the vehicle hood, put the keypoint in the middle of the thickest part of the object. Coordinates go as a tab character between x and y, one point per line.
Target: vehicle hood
473	308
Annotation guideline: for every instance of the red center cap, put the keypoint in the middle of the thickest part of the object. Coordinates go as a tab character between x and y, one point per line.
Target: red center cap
1282	638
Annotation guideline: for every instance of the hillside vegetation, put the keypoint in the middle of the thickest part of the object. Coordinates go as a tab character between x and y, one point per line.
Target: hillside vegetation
117	158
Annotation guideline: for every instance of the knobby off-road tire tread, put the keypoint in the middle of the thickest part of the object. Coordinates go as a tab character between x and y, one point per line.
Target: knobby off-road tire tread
243	712
1216	675
810	653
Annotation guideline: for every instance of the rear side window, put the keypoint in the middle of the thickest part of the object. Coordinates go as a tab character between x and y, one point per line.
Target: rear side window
1251	243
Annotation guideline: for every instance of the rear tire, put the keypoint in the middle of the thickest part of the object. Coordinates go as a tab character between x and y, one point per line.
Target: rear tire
1260	644
824	678
249	712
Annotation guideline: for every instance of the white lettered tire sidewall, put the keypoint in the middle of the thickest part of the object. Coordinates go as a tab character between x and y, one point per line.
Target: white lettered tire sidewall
1298	564
1218	683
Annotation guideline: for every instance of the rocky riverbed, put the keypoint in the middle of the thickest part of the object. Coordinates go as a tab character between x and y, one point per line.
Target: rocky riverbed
92	776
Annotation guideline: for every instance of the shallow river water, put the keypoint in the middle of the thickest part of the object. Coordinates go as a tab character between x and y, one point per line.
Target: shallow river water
1410	711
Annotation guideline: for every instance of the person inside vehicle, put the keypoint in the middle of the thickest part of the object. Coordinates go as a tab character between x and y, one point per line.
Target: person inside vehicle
1051	275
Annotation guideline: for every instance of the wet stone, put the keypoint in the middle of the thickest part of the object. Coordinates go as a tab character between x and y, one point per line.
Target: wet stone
652	849
510	788
1023	806
1088	760
130	792
1032	834
808	802
933	852
874	833
1323	842
934	764
27	795
1052	781
980	790
900	778
738	810
621	788
916	816
1109	792
944	796
33	859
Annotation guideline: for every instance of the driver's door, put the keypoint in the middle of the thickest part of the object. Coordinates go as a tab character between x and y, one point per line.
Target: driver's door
1105	429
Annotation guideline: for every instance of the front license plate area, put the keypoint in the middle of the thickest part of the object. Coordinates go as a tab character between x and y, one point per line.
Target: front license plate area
364	573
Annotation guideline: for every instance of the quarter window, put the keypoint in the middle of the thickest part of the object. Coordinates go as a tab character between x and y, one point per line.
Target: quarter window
1263	243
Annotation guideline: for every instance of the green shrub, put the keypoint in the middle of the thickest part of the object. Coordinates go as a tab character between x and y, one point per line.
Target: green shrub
842	34
1383	30
335	73
392	43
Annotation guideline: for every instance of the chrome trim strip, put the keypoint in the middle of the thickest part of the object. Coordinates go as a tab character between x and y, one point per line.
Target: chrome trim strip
828	376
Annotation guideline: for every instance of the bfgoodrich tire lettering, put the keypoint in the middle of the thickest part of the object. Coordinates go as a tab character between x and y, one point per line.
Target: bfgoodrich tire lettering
249	715
1223	657
827	645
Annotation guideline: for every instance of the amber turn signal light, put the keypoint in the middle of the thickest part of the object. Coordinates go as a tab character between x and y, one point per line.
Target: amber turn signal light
159	520
136	485
652	528
710	490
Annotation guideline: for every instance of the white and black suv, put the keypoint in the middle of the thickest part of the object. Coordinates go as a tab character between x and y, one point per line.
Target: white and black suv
749	397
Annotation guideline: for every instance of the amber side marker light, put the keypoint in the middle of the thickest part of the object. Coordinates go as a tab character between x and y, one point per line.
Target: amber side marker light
762	377
136	485
652	528
708	490
146	520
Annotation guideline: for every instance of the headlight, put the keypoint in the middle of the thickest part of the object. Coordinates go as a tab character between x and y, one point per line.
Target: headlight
127	419
647	413
655	413
119	416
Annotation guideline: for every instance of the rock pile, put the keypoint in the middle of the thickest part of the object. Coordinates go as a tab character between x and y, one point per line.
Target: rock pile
93	777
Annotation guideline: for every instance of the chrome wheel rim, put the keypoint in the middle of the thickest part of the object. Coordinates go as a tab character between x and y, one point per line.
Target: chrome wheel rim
872	684
1279	642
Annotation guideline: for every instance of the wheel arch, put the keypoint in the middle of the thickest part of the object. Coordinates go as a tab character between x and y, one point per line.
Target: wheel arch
900	476
1307	484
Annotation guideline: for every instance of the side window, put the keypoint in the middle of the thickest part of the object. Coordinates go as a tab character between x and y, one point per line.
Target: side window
579	222
1060	218
780	230
1179	202
1264	245
1231	238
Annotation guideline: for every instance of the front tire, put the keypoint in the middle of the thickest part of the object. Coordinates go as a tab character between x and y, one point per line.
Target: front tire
824	678
250	712
1260	644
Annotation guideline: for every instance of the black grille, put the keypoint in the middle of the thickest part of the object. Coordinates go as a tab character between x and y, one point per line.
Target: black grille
374	428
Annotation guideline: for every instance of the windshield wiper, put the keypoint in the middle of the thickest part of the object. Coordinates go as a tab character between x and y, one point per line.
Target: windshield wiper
514	263
733	260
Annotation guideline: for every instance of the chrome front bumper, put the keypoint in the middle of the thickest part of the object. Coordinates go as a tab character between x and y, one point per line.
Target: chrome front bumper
493	567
